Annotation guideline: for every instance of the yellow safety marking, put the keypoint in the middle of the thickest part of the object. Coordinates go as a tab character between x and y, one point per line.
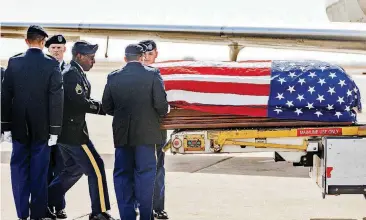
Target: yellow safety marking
270	145
222	136
99	176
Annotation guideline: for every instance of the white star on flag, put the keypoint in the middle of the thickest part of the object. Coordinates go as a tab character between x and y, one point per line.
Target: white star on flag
277	110
349	92
321	81
332	75
289	104
292	74
310	105
280	96
340	100
311	89
347	108
318	113
331	90
301	81
291	89
338	114
298	111
312	74
320	98
323	68
300	97
282	80
342	83
330	107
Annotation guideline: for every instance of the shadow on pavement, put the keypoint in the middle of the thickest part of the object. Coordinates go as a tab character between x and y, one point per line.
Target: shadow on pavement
225	164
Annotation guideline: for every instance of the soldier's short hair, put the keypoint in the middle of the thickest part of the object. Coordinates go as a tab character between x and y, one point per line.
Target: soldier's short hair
36	33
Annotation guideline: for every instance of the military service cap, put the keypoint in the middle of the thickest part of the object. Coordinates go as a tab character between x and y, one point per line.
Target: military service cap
35	29
55	39
134	49
84	48
149	44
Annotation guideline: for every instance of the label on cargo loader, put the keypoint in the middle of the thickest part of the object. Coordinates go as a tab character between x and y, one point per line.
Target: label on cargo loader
319	132
193	142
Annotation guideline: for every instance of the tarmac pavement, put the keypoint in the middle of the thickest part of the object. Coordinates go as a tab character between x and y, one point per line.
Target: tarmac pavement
221	187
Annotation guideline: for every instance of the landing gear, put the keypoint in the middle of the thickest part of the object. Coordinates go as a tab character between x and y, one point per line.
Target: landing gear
234	51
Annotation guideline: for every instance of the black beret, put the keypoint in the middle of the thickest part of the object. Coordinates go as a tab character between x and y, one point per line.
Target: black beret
150	44
84	48
35	29
55	39
134	49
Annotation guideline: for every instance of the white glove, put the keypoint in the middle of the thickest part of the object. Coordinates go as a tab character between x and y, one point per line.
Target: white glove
7	136
53	140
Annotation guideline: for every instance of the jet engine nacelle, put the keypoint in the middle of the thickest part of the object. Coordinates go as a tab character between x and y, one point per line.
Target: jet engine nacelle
346	10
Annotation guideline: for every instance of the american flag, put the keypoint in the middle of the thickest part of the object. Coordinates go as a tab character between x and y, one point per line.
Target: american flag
300	90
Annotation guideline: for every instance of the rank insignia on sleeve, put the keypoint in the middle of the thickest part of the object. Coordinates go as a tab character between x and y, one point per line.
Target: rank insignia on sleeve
78	89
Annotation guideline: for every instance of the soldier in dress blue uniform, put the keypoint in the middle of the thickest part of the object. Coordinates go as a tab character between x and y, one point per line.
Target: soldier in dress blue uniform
2	69
151	53
2	72
80	156
32	111
135	96
56	48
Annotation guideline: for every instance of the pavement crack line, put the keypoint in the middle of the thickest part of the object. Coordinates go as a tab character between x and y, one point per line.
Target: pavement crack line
210	165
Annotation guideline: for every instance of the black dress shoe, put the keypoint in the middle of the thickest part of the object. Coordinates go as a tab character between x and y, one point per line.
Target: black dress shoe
101	216
50	215
61	214
41	218
160	215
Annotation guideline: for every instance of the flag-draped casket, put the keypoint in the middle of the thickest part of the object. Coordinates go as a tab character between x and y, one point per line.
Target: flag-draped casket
297	90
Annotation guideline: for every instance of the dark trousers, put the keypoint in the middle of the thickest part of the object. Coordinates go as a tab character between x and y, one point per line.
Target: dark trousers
134	177
159	191
55	168
79	160
29	168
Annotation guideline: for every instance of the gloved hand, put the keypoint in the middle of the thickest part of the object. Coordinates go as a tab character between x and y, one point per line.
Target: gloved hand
7	136
53	140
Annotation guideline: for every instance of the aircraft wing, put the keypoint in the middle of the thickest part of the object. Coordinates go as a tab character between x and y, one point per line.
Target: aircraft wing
322	39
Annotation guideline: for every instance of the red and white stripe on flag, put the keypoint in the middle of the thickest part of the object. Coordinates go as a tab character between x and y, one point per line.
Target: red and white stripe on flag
239	88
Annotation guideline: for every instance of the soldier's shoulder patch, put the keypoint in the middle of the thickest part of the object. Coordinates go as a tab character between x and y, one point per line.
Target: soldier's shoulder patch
78	89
